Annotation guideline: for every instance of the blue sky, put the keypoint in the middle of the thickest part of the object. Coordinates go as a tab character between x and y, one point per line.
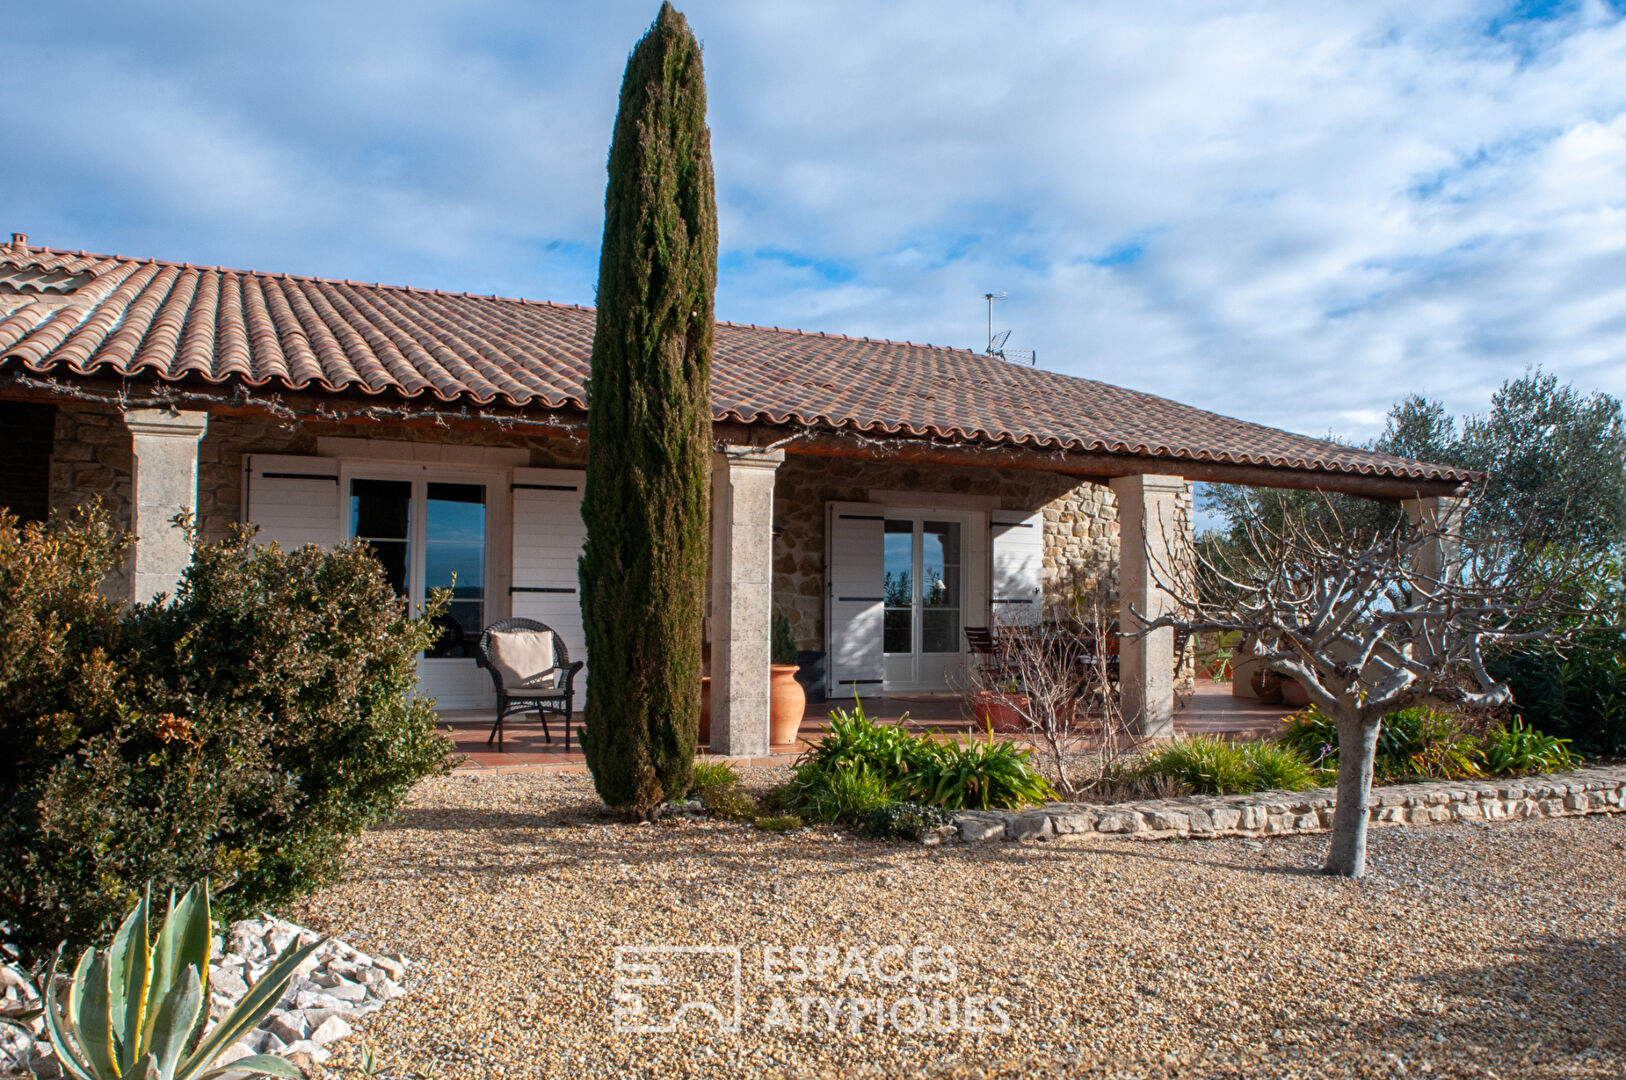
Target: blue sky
1291	212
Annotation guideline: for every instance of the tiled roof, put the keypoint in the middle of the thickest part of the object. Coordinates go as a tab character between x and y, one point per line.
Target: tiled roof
72	313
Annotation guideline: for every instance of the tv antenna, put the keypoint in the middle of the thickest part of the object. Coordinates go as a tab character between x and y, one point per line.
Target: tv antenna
996	342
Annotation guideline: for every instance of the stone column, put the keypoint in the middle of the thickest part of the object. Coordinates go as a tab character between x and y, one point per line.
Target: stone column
1439	519
1149	521
741	598
165	445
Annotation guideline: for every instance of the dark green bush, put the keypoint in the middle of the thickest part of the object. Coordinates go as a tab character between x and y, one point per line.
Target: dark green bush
240	731
903	821
1579	695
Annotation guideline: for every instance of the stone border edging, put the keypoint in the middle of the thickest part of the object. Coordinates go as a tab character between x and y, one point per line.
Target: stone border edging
1591	790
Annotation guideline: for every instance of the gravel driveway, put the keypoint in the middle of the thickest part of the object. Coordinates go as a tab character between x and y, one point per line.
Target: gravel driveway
1471	950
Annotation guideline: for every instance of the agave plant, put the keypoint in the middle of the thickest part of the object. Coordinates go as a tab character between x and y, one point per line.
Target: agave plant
137	1008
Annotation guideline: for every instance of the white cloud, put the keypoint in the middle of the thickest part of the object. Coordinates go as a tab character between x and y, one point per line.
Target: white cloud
1292	212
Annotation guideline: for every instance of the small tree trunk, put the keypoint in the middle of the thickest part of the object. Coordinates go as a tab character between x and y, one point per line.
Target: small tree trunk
1357	748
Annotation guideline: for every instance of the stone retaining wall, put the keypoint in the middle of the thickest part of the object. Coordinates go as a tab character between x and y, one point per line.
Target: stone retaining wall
1594	790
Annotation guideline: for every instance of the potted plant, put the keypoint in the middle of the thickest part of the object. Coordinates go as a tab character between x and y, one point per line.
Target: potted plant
1003	710
787	701
1267	686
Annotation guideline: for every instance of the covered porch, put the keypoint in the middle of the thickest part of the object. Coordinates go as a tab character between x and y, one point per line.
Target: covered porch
1211	709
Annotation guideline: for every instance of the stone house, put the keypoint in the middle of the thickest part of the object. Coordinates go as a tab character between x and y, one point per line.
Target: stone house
883	496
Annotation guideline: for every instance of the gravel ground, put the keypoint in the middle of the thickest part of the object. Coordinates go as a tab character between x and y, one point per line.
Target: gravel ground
1470	951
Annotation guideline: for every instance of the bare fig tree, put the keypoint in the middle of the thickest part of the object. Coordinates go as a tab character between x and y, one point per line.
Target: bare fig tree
1372	622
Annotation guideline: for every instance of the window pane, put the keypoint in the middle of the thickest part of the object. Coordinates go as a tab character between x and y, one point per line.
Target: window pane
381	509
898	588
381	514
940	564
940	630
899	630
455	558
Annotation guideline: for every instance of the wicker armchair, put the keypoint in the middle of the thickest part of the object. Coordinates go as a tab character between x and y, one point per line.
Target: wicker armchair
557	697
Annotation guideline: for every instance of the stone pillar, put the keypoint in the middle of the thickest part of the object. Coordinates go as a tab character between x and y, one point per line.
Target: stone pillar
1149	521
1439	519
741	598
165	446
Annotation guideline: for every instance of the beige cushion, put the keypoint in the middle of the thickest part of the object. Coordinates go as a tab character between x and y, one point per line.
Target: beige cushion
524	659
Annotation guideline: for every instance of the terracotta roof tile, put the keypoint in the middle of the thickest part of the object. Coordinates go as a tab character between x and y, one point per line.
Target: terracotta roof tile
93	314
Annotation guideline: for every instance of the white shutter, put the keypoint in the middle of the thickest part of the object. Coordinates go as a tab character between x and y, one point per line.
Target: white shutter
548	538
856	570
1018	592
293	500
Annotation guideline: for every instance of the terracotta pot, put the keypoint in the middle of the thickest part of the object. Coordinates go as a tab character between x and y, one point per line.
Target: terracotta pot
1267	686
1293	694
705	710
787	701
1000	711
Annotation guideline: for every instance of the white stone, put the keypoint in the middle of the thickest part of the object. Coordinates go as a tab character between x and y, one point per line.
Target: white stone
331	1030
349	991
388	990
316	1053
237	1051
224	980
313	999
288	1026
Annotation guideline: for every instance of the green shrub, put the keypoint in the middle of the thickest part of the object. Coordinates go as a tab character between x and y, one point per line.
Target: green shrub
991	775
1207	764
1210	765
1312	733
241	731
903	821
712	776
844	792
717	785
1513	750
888	749
779	822
861	766
1428	744
1579	695
1281	768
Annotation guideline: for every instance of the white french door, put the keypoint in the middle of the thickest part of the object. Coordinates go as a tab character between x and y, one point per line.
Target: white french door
432	530
924	598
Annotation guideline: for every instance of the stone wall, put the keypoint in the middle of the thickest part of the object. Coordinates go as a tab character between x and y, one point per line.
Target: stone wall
92	459
1591	790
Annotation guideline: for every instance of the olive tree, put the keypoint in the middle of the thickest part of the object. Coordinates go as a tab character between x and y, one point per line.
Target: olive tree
1370	622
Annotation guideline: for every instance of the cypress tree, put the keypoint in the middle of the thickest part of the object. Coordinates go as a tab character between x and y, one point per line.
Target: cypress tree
643	570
